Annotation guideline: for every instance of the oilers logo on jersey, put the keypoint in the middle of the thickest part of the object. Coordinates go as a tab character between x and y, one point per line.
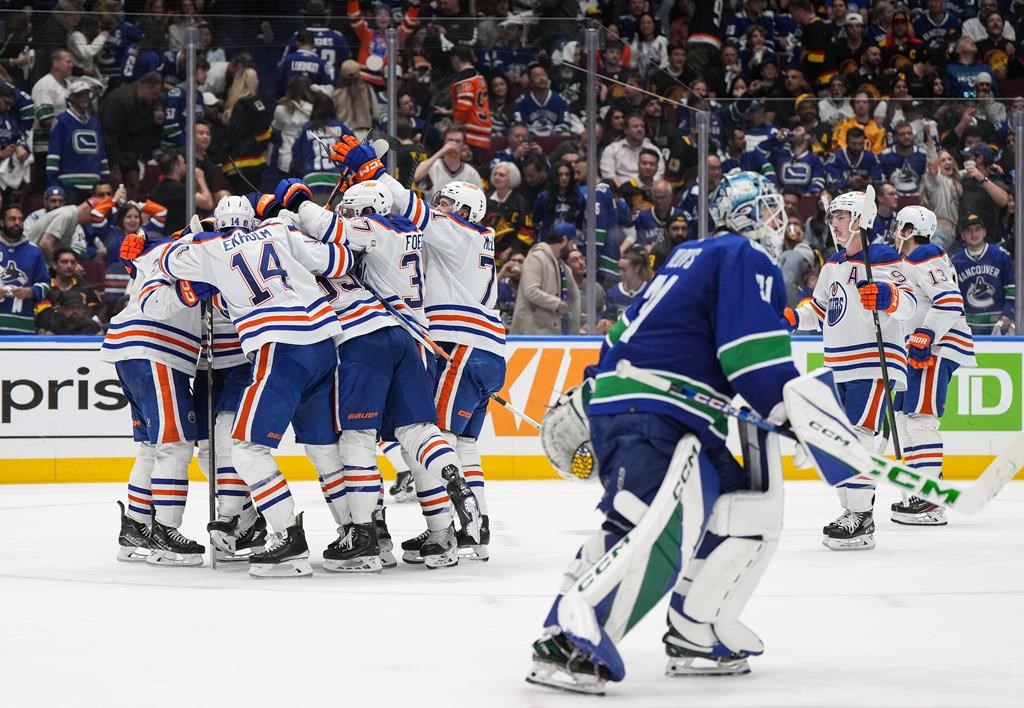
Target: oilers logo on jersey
836	303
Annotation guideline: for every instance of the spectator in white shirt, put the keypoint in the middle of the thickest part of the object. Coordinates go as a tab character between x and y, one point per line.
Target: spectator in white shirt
619	160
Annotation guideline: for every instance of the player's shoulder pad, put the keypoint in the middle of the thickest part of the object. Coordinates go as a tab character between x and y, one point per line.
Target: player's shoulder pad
882	254
393	222
206	236
468	224
925	252
837	257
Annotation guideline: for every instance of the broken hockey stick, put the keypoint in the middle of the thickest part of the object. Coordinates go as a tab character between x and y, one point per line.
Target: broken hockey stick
425	341
834	446
890	409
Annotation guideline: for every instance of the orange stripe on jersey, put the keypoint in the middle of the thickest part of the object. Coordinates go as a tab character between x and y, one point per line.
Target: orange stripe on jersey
480	322
163	379
889	356
871	419
271	318
448	387
153	335
355	314
957	340
249	399
324	311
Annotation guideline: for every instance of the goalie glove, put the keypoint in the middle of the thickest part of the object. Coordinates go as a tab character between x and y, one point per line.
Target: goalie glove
880	296
919	349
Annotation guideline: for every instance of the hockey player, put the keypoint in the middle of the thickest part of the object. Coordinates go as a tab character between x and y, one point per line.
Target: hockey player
721	301
154	351
382	377
459	302
842	306
939	343
290	333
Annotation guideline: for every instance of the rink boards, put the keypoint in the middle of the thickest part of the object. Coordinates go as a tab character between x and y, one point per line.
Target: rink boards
63	418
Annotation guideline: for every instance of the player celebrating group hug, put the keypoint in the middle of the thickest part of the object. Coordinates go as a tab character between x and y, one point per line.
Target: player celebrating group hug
319	321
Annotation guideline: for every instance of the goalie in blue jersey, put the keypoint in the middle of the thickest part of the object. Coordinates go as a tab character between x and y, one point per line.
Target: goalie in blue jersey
689	518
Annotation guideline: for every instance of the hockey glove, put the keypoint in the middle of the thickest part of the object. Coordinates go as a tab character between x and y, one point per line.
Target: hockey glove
340	149
291	192
881	296
919	348
358	158
204	291
267	207
132	246
789	319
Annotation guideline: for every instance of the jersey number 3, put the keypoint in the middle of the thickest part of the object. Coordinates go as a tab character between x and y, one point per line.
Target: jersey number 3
270	268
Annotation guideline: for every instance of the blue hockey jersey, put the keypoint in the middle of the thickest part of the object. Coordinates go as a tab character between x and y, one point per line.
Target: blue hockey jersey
649	228
24	108
805	172
737	25
839	170
720	301
543	119
612	215
111	59
302	61
937	35
310	159
175	120
750	161
77	155
904	171
330	45
21	265
139	61
987	283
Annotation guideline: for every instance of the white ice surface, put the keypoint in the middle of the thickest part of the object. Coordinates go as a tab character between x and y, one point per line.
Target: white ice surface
932	617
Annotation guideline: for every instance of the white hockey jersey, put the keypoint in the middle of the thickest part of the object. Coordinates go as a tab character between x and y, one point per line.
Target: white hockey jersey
940	305
388	256
266	280
458	257
227	347
851	347
160	321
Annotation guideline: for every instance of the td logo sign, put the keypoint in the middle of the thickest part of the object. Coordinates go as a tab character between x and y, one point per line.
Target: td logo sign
985	398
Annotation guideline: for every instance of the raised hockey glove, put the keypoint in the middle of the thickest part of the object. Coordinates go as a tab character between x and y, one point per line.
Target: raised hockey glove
882	296
789	319
291	192
919	348
340	149
358	158
267	206
132	246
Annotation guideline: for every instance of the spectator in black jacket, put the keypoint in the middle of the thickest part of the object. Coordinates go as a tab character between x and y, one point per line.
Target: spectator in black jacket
130	128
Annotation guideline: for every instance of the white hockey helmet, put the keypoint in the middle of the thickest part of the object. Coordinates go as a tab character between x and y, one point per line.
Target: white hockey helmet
234	213
851	202
370	194
921	222
748	204
463	194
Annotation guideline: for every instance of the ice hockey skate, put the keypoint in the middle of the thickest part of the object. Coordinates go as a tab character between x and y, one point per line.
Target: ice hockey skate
357	551
384	542
440	548
286	555
169	548
411	549
403	489
853	531
476	551
558	663
133	539
464	503
235	539
918	512
685	659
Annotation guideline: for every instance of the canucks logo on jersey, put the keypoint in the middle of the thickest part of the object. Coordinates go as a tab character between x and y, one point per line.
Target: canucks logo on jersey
13	275
836	303
981	294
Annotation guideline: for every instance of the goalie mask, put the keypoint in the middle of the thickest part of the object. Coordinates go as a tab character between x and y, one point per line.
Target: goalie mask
748	204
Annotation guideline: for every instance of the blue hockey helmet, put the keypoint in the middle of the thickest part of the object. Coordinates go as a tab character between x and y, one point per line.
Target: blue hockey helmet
749	204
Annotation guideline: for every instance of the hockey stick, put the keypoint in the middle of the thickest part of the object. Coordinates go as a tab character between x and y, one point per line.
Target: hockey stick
969	500
211	418
380	148
425	341
890	409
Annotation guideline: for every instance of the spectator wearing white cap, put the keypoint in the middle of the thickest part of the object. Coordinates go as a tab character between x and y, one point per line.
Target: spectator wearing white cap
850	43
988	108
77	156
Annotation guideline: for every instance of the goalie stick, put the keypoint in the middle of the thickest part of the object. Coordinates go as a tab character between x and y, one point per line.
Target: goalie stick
969	500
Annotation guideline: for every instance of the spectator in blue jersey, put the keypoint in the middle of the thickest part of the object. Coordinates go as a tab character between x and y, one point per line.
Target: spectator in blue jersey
311	161
794	164
751	15
960	74
904	163
634	274
176	107
629	21
854	166
543	111
560	201
14	152
304	60
937	28
77	155
328	44
888	202
650	223
24	277
985	274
